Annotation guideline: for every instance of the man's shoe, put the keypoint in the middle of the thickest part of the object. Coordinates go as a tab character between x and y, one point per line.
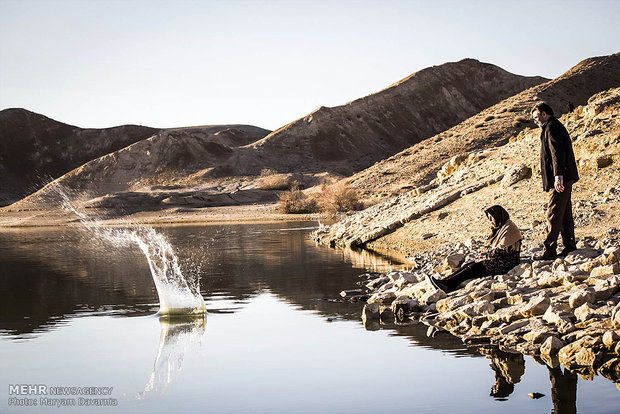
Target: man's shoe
565	251
546	256
438	284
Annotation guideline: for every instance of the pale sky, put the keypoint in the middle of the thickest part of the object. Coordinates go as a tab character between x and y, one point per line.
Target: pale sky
165	63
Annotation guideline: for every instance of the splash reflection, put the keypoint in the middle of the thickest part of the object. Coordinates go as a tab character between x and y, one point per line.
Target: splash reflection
179	334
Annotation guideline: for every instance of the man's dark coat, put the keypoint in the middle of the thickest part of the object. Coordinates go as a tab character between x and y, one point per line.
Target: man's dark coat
556	154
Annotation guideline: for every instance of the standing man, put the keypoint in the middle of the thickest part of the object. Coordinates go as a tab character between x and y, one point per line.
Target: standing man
559	172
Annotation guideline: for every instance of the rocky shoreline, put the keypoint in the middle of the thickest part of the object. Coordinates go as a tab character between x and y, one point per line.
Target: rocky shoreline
565	311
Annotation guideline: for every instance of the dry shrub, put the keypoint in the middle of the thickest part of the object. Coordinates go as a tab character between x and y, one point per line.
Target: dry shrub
275	182
331	199
295	201
272	180
338	198
520	120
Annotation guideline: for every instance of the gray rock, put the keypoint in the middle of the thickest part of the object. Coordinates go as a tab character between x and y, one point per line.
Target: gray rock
550	279
582	255
383	298
513	327
551	346
386	314
351	293
454	261
605	270
483	307
523	271
403	305
536	336
555	312
565	326
579	298
370	312
536	306
375	283
584	312
603	290
432	296
610	339
515	174
509	314
587	357
615	317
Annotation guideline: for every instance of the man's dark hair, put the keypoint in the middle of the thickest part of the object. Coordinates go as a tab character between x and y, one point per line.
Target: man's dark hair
543	107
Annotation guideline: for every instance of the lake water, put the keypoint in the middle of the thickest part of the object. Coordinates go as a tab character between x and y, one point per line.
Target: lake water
76	312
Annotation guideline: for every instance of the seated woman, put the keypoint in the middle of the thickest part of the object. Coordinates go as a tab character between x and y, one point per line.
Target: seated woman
504	250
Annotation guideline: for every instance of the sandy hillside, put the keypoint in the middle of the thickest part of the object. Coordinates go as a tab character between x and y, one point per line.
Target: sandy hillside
418	165
203	168
451	210
348	138
35	149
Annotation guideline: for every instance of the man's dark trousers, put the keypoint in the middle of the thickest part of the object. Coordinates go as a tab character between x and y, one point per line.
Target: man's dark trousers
560	219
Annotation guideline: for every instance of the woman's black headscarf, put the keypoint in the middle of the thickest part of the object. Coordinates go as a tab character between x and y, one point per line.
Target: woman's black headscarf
500	215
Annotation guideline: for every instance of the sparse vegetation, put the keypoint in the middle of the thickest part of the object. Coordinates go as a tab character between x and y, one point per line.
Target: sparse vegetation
295	201
338	198
271	180
518	121
331	199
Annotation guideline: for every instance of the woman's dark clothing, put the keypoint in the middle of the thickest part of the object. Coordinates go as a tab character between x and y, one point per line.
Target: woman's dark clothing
473	270
500	261
503	254
500	215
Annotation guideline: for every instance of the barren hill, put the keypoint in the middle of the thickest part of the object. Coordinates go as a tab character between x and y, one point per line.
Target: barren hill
451	210
168	166
34	148
418	165
340	140
348	138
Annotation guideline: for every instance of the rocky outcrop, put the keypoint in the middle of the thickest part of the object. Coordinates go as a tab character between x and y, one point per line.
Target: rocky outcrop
508	175
516	311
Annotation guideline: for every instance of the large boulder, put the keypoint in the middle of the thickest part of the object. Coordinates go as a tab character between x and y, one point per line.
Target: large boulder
551	346
515	174
536	306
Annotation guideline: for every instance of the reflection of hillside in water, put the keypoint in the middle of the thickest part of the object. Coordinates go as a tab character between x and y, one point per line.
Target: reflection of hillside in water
46	274
49	276
364	259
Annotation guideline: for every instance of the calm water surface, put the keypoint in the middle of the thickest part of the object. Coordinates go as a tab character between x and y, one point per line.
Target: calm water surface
76	312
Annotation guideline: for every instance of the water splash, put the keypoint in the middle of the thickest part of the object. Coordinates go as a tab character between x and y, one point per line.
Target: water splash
178	295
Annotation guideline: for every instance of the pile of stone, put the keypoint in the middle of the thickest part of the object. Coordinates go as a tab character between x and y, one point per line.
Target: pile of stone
563	311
